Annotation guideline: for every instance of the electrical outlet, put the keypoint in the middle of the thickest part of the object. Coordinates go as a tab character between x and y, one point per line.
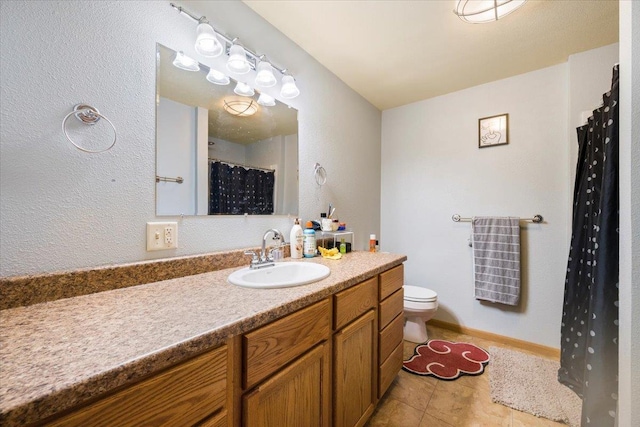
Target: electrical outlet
162	235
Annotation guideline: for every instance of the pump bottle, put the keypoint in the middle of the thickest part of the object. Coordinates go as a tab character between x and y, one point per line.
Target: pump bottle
296	240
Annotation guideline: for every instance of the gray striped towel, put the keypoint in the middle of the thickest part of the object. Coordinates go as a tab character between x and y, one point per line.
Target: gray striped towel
496	259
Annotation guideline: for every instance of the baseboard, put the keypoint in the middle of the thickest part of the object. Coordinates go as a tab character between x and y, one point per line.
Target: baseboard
542	350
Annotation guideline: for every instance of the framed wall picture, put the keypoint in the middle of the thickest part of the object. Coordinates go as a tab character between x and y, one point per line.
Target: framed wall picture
493	130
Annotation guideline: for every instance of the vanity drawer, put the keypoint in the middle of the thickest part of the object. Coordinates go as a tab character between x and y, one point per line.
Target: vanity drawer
271	347
389	369
391	307
351	303
185	394
391	280
390	337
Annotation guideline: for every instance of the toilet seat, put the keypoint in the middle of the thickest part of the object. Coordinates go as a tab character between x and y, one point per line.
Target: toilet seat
418	294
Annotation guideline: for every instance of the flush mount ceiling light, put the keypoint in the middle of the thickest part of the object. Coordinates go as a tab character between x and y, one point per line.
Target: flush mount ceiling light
289	89
244	89
218	78
207	43
211	42
266	100
483	11
237	62
184	62
264	76
240	107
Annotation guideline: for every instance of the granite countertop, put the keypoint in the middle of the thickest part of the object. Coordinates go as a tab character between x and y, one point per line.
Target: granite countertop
58	354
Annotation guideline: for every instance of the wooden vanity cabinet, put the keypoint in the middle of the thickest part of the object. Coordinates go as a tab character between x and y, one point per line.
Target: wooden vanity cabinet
191	393
355	354
299	395
324	365
287	370
391	323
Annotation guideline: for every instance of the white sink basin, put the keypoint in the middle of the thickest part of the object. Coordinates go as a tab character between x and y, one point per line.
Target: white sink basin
281	275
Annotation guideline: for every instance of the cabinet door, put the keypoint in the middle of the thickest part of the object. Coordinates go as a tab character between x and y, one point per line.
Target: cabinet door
355	371
296	396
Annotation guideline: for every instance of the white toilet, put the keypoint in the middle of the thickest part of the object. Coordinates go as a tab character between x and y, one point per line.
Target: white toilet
420	305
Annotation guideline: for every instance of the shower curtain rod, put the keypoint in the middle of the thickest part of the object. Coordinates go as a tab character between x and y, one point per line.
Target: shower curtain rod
211	159
536	218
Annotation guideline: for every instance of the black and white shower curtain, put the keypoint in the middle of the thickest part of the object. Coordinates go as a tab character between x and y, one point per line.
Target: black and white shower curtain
236	190
589	348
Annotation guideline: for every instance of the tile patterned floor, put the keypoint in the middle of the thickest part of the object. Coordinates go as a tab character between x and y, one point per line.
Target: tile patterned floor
414	401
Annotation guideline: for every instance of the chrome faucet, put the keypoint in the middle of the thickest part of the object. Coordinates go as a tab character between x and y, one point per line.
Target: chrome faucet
264	259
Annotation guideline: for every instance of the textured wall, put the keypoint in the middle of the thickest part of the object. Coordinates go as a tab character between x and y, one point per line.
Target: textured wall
62	208
432	168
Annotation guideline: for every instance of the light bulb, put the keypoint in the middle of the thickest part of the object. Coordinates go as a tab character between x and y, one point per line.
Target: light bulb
218	78
207	43
265	77
237	62
266	100
184	62
289	89
244	89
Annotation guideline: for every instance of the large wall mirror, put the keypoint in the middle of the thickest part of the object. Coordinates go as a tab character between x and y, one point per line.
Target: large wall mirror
218	152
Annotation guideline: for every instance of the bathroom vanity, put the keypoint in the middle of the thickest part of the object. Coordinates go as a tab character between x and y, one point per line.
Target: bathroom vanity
198	351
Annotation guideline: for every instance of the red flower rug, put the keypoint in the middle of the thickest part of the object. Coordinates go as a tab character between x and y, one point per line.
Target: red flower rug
447	360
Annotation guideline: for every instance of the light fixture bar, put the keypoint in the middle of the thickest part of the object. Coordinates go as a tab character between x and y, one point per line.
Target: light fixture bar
255	58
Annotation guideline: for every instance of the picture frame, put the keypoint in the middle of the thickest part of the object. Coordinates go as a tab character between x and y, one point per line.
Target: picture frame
493	130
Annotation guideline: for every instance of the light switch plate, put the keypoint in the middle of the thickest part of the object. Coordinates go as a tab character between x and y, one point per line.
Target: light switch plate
162	235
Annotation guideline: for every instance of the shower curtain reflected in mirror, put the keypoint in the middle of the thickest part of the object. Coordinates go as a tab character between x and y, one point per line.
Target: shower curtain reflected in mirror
236	190
589	347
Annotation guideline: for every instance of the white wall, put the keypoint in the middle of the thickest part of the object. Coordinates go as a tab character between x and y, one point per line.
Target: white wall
228	151
433	168
63	209
202	161
290	178
176	157
629	347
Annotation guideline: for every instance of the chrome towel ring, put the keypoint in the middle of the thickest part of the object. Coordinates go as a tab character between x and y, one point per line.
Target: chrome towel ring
320	174
89	116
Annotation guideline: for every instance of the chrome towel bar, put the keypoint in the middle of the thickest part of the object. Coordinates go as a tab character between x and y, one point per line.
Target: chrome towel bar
178	179
536	218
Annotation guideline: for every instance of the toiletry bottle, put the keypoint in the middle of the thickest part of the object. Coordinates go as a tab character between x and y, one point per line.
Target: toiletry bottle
372	243
296	240
309	233
325	223
343	247
277	253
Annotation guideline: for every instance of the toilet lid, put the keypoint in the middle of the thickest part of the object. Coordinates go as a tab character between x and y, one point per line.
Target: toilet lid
418	294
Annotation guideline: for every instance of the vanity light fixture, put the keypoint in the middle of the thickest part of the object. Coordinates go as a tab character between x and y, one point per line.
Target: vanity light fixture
264	76
289	89
237	62
483	11
266	100
217	78
244	89
185	62
241	60
240	107
207	43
